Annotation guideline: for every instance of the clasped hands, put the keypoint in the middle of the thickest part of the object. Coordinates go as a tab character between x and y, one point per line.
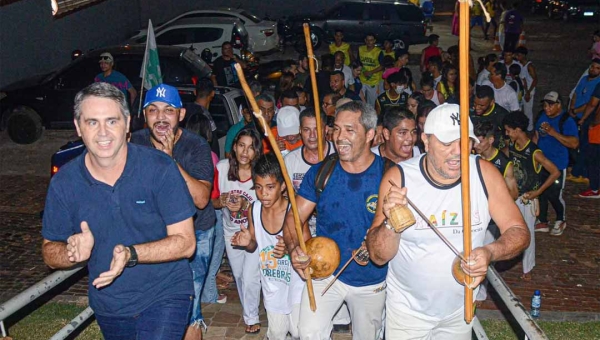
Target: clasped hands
79	249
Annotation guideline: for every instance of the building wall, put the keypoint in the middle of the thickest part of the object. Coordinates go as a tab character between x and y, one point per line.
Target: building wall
33	42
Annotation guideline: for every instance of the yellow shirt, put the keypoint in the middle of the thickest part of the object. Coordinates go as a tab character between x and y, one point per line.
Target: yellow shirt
490	8
345	48
370	61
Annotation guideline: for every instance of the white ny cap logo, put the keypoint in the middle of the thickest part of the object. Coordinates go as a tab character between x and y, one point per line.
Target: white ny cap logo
161	92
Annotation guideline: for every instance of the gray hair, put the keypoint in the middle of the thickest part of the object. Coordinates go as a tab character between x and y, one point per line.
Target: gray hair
368	115
265	98
102	90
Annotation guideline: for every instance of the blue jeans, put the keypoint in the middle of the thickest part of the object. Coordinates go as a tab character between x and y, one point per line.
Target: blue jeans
199	264
210	293
164	320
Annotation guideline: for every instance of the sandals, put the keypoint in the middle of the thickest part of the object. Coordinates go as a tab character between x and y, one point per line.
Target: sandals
526	277
253	329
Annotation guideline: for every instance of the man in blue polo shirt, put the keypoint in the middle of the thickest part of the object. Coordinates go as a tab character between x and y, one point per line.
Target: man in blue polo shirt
163	111
126	210
555	134
345	210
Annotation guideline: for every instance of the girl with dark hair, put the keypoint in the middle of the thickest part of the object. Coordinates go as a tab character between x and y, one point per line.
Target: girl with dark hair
236	194
448	86
415	99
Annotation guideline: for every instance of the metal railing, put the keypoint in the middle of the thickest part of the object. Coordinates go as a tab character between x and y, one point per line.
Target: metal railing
30	294
514	305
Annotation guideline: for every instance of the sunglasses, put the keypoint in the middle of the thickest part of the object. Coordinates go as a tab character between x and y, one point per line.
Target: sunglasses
104	58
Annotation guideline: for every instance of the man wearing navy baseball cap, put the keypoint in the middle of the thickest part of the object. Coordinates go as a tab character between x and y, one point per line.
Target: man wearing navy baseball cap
164	110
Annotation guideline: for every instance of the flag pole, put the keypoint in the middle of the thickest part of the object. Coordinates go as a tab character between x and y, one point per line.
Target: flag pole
464	42
144	68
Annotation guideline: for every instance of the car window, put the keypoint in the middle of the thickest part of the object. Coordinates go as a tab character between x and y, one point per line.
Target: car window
177	36
130	66
80	75
348	11
409	13
218	111
207	34
175	72
381	12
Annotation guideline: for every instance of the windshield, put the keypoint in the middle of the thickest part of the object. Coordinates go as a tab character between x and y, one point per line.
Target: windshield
250	16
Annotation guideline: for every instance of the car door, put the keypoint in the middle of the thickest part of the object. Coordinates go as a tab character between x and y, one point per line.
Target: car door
348	17
410	24
63	87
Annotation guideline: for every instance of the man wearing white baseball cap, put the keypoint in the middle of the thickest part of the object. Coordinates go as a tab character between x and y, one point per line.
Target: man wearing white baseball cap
288	128
115	78
423	299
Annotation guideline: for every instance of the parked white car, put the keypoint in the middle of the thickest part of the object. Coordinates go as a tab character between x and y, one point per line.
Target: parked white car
201	34
263	35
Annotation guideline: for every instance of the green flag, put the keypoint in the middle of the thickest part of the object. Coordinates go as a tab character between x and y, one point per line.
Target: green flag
150	72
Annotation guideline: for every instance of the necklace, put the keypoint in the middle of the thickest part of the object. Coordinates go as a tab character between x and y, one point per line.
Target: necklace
392	100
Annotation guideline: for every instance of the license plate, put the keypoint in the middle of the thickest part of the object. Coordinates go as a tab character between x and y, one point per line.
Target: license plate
588	14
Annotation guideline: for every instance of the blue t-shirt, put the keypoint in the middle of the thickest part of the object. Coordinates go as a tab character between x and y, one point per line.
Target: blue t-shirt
117	79
345	211
192	152
550	146
149	195
584	91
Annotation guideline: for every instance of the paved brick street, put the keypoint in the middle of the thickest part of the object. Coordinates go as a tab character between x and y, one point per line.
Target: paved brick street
568	267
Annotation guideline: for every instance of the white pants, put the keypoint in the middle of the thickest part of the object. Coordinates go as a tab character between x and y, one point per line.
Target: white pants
246	272
364	303
372	92
528	212
282	324
403	326
528	109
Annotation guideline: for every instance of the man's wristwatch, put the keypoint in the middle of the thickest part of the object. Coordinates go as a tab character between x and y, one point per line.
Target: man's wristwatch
133	257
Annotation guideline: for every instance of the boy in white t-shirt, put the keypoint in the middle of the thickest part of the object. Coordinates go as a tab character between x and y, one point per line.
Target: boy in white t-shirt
281	285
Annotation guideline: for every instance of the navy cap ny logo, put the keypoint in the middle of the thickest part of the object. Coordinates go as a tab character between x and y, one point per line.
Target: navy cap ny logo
455	118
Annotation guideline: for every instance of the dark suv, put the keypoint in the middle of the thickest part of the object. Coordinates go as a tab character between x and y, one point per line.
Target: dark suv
401	22
47	101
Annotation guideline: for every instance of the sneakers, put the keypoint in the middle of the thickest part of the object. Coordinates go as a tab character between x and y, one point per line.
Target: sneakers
589	193
579	179
559	228
542	227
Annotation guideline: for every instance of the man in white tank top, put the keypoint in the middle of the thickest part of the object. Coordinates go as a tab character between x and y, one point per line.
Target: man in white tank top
424	301
529	76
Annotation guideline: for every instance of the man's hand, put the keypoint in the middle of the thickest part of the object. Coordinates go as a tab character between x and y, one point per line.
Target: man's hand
477	265
167	142
531	195
281	144
395	196
549	129
242	238
280	250
79	246
297	256
121	256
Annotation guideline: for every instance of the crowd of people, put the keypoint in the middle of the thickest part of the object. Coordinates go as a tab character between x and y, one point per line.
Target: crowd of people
153	212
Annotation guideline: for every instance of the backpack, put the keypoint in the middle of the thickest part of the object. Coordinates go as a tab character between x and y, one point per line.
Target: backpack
327	168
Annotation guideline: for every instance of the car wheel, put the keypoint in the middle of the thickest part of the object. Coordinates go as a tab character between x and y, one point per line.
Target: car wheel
400	44
300	44
24	125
